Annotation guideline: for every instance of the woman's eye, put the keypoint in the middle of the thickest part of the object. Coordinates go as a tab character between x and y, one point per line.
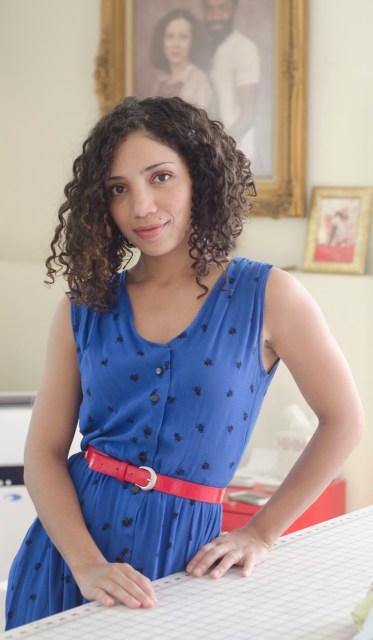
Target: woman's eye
117	190
162	177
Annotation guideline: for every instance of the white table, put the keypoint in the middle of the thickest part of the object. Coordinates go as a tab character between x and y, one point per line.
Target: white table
306	590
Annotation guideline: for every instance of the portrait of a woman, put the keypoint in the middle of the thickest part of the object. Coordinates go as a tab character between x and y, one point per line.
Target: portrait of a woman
179	53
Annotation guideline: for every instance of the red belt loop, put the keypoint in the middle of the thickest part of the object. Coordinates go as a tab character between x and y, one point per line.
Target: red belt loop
146	478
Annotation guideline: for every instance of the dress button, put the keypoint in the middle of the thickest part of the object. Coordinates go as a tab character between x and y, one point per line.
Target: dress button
154	397
135	489
159	371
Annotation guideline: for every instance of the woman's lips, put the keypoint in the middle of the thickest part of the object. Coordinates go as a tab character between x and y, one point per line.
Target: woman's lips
148	233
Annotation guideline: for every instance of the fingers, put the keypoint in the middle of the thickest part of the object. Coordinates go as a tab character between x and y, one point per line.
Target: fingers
103	598
209	554
248	567
231	558
119	583
129	587
193	565
235	548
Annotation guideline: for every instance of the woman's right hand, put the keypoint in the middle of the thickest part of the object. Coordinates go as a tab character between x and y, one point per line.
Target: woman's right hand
112	583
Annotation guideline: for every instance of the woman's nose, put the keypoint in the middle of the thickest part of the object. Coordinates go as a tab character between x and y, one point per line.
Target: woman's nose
142	203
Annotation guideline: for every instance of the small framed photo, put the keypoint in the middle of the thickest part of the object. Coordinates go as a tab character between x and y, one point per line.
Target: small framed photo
338	230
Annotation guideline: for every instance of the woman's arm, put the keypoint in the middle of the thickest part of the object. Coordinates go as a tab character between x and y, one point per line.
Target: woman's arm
48	481
296	332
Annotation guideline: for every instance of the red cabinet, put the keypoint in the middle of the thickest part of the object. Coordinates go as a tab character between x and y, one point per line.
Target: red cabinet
330	504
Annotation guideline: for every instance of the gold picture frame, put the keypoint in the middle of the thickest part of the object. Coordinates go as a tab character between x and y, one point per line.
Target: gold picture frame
338	230
281	189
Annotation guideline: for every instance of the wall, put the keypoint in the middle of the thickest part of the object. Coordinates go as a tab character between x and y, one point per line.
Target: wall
48	104
24	323
47	58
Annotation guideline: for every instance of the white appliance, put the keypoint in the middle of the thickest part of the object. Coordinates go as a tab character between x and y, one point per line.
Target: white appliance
16	508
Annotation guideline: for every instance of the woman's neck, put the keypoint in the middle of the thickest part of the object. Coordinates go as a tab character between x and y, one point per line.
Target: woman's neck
177	71
162	269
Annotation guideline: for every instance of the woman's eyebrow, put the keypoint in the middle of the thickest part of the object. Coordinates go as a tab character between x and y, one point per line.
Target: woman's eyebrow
149	168
154	166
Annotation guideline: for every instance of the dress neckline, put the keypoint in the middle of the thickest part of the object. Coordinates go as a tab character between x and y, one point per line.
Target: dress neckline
197	320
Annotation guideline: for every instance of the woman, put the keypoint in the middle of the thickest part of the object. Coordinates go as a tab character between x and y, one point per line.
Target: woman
165	364
179	51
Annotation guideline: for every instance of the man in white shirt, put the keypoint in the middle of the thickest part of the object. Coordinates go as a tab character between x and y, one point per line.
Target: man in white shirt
234	73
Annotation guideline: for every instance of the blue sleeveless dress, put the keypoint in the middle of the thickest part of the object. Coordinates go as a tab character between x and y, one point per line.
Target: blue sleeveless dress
185	408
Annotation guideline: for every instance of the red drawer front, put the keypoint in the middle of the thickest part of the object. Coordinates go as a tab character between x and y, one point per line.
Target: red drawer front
330	504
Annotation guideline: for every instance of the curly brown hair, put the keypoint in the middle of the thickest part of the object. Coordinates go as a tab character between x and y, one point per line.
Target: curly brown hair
88	247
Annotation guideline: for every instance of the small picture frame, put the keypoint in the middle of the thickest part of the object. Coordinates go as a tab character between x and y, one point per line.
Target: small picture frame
338	230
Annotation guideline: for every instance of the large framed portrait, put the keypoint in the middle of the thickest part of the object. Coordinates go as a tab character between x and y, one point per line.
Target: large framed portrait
242	60
338	230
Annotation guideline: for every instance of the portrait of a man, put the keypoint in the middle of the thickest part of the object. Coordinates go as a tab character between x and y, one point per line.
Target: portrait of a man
234	72
218	54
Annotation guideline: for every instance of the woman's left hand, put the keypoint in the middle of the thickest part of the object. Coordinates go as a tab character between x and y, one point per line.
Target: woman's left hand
239	547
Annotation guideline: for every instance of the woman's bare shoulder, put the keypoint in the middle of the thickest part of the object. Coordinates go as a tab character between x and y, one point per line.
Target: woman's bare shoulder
290	309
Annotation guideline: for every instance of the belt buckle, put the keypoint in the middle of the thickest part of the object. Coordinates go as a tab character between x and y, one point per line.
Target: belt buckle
152	480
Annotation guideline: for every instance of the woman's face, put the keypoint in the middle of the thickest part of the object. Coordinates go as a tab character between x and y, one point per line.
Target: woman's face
150	195
177	41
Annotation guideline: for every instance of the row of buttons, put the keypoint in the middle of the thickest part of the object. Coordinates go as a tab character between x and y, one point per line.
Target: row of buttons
154	398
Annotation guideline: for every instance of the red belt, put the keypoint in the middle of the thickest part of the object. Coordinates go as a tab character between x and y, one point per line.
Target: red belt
147	479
